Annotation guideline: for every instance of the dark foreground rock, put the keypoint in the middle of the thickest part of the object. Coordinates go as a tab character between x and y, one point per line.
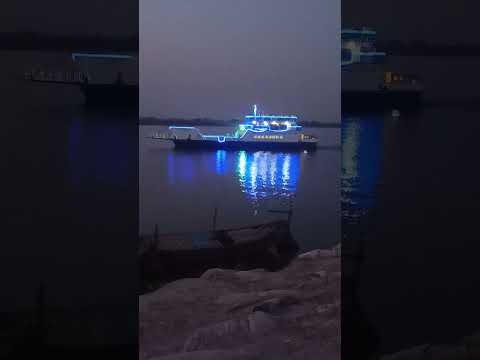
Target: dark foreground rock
293	313
169	257
466	349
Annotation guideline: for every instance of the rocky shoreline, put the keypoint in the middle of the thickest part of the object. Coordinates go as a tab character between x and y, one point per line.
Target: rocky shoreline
467	348
293	313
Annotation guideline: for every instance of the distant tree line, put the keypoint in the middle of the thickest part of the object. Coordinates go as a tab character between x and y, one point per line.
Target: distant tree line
423	48
38	41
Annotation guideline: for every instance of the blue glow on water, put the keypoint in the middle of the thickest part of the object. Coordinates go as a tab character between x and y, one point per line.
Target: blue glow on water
242	164
362	144
261	175
220	161
286	172
264	175
181	168
92	160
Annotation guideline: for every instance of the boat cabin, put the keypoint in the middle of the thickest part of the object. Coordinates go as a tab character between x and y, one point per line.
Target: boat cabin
276	123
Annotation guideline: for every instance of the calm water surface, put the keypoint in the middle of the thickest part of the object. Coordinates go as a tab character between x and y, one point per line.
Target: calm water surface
179	189
70	196
410	191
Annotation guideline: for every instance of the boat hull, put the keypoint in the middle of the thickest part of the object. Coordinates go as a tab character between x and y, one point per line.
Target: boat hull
244	145
110	95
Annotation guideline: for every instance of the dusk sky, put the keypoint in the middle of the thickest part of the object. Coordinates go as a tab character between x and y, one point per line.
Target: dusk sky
216	58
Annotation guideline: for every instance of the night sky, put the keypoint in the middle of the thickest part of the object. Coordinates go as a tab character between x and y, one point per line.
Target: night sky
216	58
434	21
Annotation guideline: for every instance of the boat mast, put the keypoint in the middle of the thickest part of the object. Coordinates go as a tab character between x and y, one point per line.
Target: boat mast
255	112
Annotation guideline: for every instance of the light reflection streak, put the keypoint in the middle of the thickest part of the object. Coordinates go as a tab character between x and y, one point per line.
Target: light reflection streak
362	147
220	157
264	175
261	175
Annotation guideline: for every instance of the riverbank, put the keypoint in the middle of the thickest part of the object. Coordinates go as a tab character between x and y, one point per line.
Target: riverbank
293	313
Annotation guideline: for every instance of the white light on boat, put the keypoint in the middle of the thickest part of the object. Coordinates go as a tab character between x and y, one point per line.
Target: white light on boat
265	123
254	122
274	123
287	123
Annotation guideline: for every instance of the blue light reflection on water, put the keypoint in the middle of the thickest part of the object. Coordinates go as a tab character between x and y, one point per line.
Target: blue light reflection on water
92	159
261	175
264	174
220	161
362	144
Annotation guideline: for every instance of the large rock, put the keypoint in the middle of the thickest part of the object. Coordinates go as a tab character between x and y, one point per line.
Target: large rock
225	314
230	332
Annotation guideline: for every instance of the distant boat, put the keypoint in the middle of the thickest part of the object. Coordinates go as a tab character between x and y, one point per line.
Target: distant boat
258	131
172	256
100	89
367	81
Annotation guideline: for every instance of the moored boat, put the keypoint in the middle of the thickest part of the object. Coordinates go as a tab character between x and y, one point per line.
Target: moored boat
166	257
368	80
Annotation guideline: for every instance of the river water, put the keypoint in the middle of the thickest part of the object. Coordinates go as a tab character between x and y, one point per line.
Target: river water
79	185
70	201
179	189
410	192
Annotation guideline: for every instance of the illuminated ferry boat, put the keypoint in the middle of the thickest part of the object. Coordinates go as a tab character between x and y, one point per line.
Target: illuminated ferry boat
267	132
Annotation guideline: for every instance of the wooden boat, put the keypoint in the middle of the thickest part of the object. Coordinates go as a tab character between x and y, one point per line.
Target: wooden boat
173	256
